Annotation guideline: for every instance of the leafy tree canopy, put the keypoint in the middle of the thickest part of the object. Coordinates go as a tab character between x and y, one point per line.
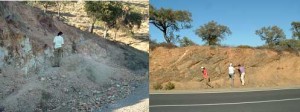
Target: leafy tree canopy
114	14
212	32
169	20
296	30
272	35
185	41
107	11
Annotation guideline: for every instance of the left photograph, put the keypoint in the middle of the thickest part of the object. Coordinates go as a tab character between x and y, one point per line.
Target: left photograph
74	56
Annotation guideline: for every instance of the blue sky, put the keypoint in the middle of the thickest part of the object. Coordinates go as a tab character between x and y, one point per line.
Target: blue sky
243	17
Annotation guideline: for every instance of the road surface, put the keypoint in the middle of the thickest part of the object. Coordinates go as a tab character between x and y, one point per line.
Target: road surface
287	100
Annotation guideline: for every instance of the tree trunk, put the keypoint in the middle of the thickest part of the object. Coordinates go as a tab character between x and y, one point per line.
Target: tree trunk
45	8
91	29
116	34
58	6
105	32
166	37
212	40
58	13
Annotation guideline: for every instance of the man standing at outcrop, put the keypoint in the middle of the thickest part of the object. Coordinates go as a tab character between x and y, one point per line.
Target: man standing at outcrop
242	71
58	44
206	77
231	74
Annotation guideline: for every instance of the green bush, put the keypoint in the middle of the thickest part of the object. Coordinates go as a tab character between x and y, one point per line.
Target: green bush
244	46
283	45
290	43
263	47
157	86
169	86
185	41
154	44
167	45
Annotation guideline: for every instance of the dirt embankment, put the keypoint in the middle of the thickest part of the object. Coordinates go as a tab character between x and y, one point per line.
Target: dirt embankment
73	14
182	66
94	72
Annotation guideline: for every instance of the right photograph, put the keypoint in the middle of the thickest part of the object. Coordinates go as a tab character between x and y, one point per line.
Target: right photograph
224	56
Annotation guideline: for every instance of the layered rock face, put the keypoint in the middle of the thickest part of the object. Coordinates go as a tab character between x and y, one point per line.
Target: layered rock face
182	66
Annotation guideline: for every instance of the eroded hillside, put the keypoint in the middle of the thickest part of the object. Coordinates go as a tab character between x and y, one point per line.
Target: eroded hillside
73	14
182	66
94	72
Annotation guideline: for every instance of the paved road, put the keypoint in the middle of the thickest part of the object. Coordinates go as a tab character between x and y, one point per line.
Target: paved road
287	100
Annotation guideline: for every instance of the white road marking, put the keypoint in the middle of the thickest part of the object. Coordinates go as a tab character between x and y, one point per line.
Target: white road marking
215	104
216	91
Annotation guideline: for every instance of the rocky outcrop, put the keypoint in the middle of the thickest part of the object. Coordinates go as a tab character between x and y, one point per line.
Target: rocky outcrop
182	66
94	72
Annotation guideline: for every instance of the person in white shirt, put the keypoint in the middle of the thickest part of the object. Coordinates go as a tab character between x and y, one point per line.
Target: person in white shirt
58	44
231	74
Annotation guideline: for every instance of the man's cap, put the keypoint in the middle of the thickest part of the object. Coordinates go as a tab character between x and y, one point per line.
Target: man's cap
202	67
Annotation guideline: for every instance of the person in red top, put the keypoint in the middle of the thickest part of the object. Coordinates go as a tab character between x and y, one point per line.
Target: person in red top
206	77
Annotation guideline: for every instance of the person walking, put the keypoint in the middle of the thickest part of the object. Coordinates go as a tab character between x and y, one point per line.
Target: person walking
242	72
231	74
206	77
58	44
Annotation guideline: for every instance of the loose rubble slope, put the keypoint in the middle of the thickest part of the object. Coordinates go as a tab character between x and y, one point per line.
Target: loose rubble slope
94	72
